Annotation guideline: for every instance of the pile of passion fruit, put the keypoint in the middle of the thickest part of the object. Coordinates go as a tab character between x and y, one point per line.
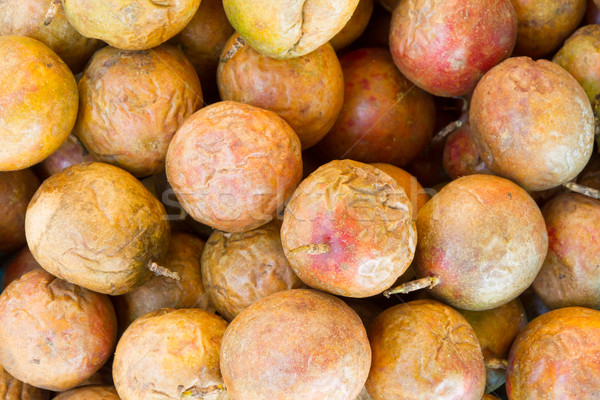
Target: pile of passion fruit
299	200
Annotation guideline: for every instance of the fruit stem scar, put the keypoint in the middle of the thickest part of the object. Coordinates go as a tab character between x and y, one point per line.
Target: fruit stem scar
313	248
584	190
162	271
423	283
237	46
52	10
201	392
496	363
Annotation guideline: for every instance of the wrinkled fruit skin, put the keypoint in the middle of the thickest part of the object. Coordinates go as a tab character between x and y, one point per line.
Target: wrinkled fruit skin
233	165
543	25
127	120
296	345
355	26
484	238
70	153
384	117
522	106
130	25
65	336
241	268
555	357
38	102
570	275
365	218
307	91
445	47
90	393
12	389
424	347
288	29
183	258
22	263
16	190
496	330
97	226
168	352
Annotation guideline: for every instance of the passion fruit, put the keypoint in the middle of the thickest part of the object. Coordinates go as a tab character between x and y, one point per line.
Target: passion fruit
70	153
20	264
13	389
355	26
93	392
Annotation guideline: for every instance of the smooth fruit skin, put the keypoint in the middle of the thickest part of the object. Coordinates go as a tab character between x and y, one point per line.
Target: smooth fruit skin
570	275
532	123
445	47
424	347
38	102
296	345
289	28
556	357
21	263
384	117
365	218
70	153
355	26
485	239
306	91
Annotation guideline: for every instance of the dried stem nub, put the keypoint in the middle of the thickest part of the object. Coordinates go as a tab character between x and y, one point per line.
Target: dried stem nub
496	363
584	190
52	10
423	283
237	46
162	271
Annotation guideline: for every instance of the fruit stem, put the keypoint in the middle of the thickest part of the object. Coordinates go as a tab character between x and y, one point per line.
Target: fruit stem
52	10
313	248
162	271
496	363
237	46
584	190
423	283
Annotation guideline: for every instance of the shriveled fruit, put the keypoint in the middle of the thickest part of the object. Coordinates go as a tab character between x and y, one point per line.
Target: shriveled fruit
64	336
445	47
170	354
348	229
188	291
288	29
532	122
484	238
38	102
544	24
27	18
295	345
12	389
97	226
556	357
130	25
128	121
241	268
570	275
233	165
413	189
307	91
424	347
16	190
70	153
355	26
90	393
384	117
496	330
22	263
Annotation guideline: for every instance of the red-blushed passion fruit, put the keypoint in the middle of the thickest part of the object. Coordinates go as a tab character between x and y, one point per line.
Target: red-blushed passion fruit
13	389
288	29
307	91
532	123
556	357
170	354
21	263
384	117
70	153
128	121
232	166
185	291
348	230
570	275
355	26
130	25
97	226
296	345
16	190
484	238
93	392
413	189
544	24
65	335
424	347
28	18
445	47
38	102
241	268
496	330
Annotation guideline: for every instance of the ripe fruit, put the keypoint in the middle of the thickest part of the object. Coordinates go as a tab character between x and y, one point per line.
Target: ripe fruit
532	122
70	153
355	26
445	47
484	238
13	389
97	226
38	102
424	347
295	345
413	189
90	393
20	264
232	165
359	220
